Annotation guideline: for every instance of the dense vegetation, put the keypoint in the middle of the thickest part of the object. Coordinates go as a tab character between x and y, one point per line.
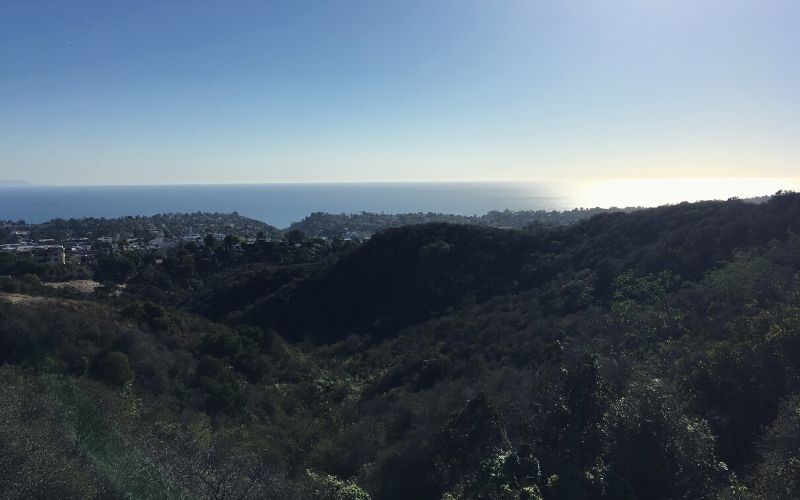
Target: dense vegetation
327	225
145	227
653	354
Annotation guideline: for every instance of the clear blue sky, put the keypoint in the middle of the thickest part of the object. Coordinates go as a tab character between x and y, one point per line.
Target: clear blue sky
152	92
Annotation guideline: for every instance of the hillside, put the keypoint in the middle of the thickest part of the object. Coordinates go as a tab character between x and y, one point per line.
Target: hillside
365	223
407	275
652	354
169	225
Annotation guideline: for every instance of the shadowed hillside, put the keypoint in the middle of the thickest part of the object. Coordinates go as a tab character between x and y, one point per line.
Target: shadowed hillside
403	276
646	355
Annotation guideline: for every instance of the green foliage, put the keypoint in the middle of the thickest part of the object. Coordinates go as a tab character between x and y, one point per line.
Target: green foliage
116	268
113	368
648	355
778	473
144	227
473	457
365	223
327	487
656	450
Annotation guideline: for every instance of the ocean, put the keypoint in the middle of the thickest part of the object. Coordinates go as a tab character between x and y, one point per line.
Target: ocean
282	204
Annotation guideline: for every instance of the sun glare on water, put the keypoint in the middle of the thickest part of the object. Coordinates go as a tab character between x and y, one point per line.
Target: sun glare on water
655	192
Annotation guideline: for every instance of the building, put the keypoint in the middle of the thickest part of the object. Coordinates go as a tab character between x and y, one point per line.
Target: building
53	255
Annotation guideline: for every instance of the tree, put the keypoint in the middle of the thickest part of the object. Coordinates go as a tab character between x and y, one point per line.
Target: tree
473	457
295	236
657	451
326	487
113	368
778	473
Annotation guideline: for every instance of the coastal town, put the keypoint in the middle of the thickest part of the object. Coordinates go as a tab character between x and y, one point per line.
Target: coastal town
81	242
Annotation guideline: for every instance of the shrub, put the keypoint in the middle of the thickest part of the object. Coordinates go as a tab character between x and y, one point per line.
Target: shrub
113	369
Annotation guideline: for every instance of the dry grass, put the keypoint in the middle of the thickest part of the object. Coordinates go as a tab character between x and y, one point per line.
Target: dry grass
83	286
19	298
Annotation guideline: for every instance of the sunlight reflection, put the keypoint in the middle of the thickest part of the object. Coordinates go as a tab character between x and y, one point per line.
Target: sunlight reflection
655	192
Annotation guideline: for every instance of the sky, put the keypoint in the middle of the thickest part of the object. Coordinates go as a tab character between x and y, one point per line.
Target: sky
172	92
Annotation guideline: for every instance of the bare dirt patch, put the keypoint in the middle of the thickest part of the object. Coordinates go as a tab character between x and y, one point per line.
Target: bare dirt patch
83	286
24	300
19	298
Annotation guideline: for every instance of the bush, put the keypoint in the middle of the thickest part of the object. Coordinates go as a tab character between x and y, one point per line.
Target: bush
113	369
326	487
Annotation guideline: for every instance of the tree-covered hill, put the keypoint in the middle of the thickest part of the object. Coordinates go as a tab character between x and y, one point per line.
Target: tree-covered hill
366	224
168	225
406	275
649	355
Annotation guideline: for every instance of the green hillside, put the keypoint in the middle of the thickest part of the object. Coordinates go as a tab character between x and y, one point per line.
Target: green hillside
645	355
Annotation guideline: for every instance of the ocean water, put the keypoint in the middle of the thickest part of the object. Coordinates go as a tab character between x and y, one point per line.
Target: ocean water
282	204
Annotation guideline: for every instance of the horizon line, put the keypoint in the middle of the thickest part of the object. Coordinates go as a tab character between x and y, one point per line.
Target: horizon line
27	184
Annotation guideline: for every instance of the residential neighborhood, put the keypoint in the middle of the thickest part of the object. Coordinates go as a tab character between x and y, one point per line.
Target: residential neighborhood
81	241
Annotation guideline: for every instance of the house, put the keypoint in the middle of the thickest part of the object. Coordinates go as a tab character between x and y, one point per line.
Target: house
53	255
